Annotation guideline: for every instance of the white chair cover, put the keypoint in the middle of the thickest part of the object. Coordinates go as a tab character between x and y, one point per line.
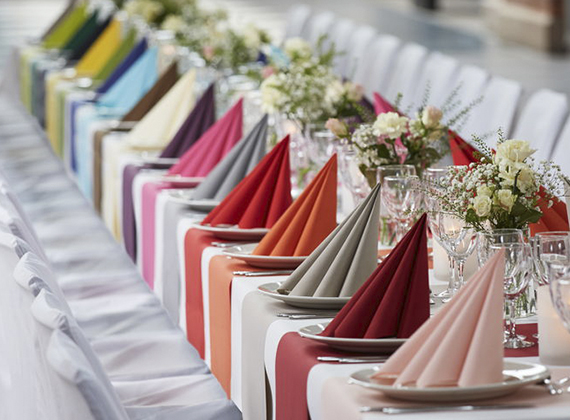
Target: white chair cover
358	49
439	74
376	68
541	120
319	25
406	73
560	154
297	18
340	35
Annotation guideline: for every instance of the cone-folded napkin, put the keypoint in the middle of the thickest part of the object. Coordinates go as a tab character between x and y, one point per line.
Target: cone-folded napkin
381	105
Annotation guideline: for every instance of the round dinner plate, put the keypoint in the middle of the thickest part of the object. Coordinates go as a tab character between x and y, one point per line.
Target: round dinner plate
310	302
183	196
182	181
516	375
233	233
244	253
358	345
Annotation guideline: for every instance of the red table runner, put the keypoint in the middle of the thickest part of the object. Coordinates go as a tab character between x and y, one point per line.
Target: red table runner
296	356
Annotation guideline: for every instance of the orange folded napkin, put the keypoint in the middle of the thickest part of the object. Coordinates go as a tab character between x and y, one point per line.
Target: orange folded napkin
461	151
212	146
261	197
394	301
308	221
381	105
462	345
344	260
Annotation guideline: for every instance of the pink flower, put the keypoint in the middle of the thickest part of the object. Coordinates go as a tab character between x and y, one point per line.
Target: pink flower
401	150
267	71
208	52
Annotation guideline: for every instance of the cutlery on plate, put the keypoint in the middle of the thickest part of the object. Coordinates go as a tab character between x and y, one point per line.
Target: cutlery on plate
262	273
355	359
427	409
306	316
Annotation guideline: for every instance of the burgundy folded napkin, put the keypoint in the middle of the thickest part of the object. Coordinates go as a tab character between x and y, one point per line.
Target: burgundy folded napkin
261	197
209	149
461	151
394	301
201	118
381	105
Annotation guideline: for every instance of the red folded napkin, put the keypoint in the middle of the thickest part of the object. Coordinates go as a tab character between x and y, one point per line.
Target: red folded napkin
209	149
261	197
309	220
461	151
554	218
394	301
381	105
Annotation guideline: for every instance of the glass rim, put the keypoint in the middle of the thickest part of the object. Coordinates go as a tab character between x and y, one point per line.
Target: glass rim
554	233
398	177
403	165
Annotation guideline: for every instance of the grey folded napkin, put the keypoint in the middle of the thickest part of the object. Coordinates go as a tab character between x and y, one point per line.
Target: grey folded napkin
345	259
239	161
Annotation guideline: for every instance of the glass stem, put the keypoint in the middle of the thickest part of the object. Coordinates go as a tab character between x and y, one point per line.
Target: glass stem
451	284
460	277
511	320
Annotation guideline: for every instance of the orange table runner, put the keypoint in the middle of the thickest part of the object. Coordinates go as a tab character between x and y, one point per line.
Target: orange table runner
220	290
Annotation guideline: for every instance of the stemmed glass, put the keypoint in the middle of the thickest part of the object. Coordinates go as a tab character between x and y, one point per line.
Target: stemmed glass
518	260
394	170
497	236
547	248
458	239
351	175
401	196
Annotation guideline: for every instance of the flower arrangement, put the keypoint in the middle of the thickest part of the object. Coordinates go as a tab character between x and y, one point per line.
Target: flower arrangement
155	12
301	84
502	189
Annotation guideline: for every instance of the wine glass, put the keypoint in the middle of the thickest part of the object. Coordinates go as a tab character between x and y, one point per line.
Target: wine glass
493	237
394	170
401	196
518	259
351	175
549	247
458	239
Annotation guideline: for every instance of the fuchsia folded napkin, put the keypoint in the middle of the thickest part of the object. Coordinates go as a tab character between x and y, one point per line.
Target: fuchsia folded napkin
207	151
262	197
381	105
308	221
462	345
394	301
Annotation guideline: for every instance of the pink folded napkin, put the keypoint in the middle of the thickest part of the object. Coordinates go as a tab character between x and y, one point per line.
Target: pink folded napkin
261	197
381	105
462	344
214	144
394	301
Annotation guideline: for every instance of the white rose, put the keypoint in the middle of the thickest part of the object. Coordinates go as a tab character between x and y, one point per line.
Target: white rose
482	205
298	48
506	199
271	96
525	179
251	37
334	92
431	116
173	23
514	151
484	190
390	124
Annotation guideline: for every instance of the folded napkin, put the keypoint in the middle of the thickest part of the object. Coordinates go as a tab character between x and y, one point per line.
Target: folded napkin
308	221
462	344
121	52
345	259
165	118
164	83
198	122
261	197
131	57
554	218
381	105
235	165
394	301
133	84
461	151
63	31
212	146
86	35
101	50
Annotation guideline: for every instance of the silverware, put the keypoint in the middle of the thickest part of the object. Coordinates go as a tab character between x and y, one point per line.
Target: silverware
427	409
356	359
307	316
262	273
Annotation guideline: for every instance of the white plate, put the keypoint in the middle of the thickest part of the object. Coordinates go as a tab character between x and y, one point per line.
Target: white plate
233	233
160	161
184	196
203	205
182	181
244	253
311	302
515	376
359	345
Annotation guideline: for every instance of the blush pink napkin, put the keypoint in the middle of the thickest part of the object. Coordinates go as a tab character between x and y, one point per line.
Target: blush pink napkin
462	345
262	197
214	144
381	105
394	301
150	191
308	221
